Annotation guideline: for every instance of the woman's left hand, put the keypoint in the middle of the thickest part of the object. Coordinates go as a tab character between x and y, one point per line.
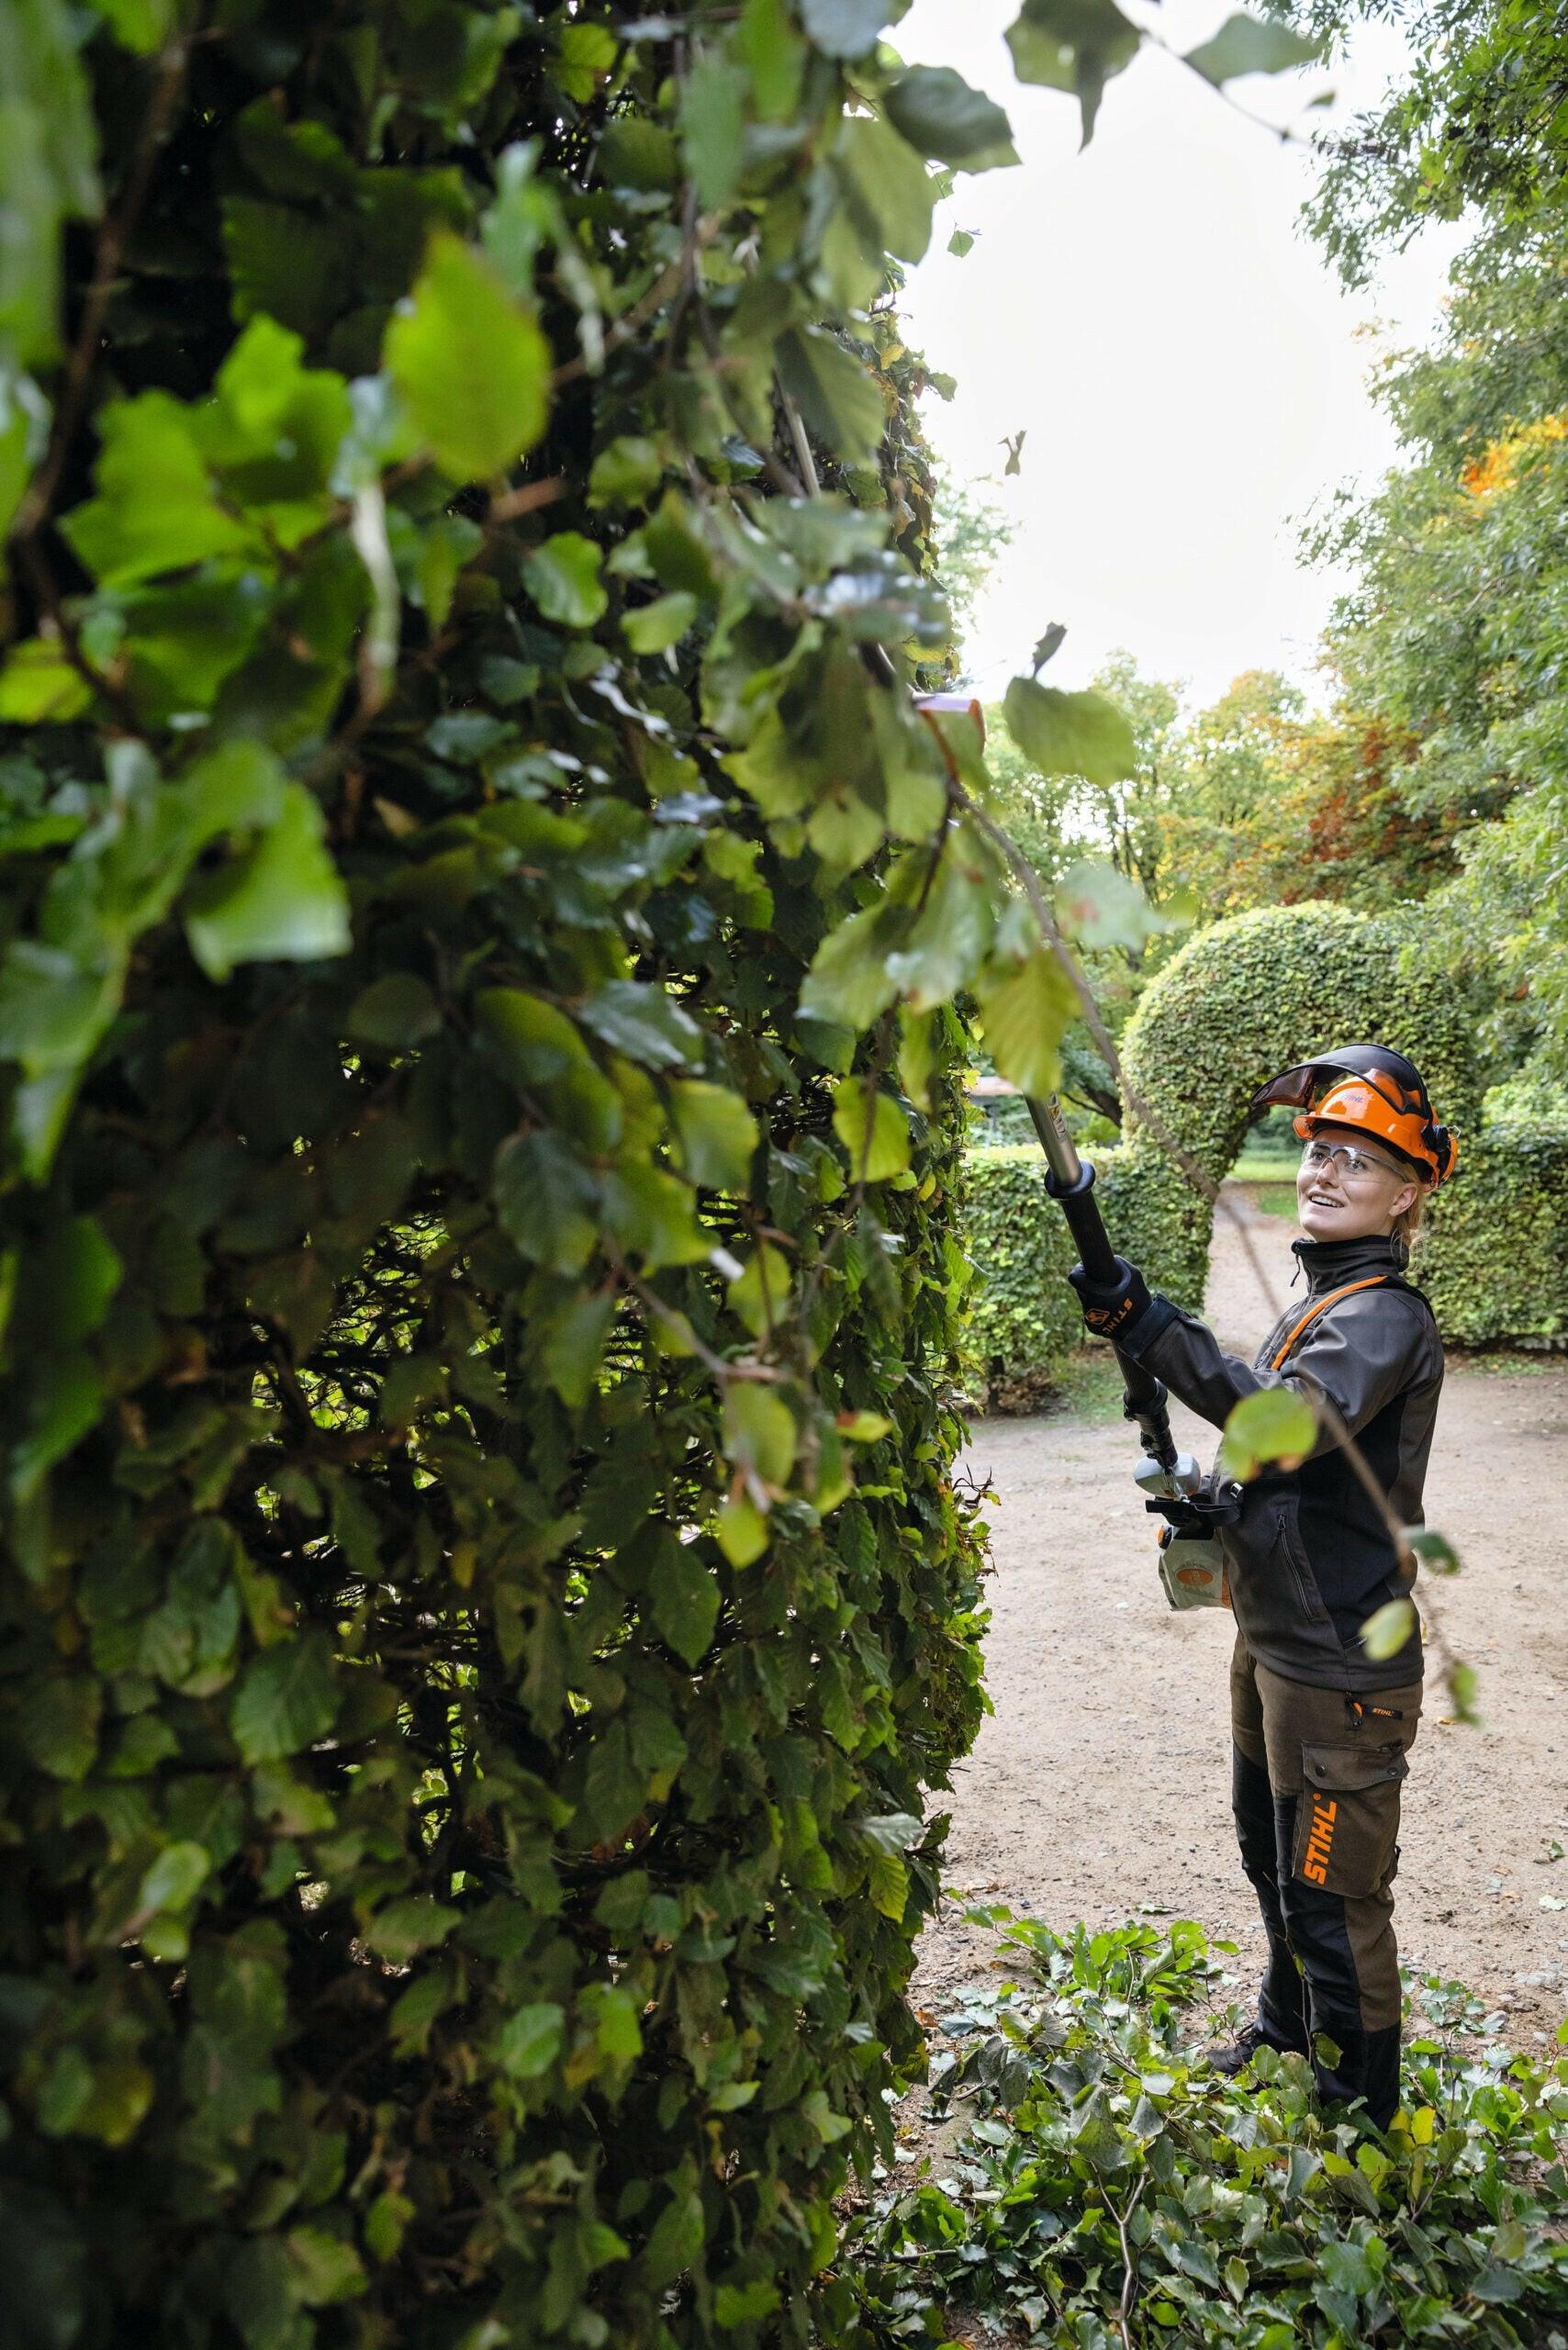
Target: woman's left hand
1109	1308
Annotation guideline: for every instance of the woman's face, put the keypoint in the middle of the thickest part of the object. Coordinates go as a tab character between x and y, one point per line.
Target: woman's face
1347	1188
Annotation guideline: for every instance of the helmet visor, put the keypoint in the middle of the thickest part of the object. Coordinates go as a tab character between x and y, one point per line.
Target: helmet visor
1293	1088
1302	1087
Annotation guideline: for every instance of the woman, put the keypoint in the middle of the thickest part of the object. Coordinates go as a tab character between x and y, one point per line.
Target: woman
1321	1728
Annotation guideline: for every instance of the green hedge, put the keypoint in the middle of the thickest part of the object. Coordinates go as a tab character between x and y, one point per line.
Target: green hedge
1251	996
1242	1000
484	1599
1023	1320
1494	1258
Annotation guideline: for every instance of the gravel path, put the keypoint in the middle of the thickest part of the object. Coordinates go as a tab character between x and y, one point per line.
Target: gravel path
1101	1782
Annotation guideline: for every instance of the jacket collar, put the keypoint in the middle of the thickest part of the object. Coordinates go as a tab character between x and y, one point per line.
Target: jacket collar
1329	1264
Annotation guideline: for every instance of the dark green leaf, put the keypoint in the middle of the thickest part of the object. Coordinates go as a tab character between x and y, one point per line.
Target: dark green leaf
685	1602
1434	1550
534	1040
78	1273
940	115
835	394
546	1201
674	2241
287	1699
64	1398
574	1347
1251	45
737	2305
712	125
873	1130
1075	45
403	1929
531	2039
645	1023
639	154
563	577
396	1012
58	1720
175	1879
889	193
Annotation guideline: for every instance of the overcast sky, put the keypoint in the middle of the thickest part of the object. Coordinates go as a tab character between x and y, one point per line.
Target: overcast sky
1190	376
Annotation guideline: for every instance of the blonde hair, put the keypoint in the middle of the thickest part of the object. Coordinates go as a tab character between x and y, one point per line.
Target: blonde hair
1407	1223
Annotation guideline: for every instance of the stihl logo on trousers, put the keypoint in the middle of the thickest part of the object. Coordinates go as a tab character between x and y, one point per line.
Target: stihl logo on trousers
1320	1841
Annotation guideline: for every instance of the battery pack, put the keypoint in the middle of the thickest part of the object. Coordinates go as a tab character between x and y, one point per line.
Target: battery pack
1192	1569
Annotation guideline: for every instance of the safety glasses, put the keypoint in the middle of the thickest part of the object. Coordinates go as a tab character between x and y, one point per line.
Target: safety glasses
1355	1166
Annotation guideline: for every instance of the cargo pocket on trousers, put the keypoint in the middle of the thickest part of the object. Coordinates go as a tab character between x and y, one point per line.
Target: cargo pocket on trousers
1348	1818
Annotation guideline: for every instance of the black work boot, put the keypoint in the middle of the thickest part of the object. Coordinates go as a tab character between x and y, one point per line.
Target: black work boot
1233	2056
1368	2068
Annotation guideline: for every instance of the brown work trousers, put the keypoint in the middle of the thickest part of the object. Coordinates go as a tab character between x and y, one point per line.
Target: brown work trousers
1315	1788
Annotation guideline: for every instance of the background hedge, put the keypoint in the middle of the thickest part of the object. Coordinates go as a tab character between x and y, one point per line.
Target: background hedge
484	1598
1024	1319
1245	998
1494	1263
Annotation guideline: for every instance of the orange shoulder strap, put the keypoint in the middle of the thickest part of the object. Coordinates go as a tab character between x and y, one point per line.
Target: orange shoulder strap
1372	1280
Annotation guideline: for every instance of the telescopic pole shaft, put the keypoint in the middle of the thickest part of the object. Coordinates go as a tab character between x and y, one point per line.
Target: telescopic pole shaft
1071	1181
1072	1188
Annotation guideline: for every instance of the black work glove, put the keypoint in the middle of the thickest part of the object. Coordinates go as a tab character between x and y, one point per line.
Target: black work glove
1109	1308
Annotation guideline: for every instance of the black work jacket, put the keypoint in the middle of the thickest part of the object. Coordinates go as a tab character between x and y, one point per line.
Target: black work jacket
1310	1559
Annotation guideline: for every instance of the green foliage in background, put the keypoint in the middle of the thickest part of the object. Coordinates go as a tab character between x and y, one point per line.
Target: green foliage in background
1025	1320
1479	121
1107	2189
1457	629
1255	994
1249	803
1494	1263
1455	633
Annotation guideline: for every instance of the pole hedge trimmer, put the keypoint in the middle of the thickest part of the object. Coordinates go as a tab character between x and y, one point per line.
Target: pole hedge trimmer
1191	1566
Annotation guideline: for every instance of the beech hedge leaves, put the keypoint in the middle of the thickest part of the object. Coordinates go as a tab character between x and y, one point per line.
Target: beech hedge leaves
485	1595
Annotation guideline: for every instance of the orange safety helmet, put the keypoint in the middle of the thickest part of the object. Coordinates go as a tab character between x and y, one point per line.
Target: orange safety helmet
1375	1089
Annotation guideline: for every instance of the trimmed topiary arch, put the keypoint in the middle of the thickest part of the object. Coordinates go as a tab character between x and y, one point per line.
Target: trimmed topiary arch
1252	995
